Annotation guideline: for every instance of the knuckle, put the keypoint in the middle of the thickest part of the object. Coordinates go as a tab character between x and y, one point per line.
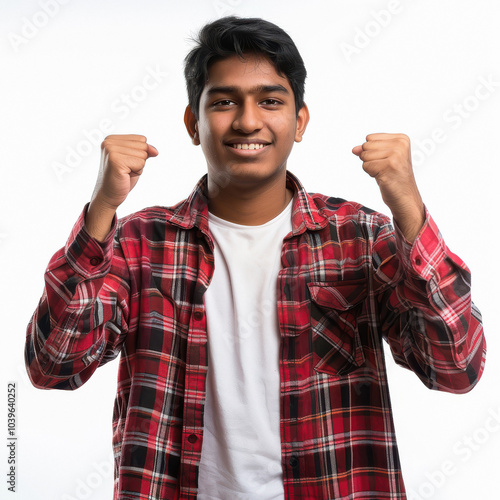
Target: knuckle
112	157
393	162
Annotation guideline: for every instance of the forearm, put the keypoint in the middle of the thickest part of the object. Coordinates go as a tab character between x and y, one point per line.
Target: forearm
99	219
81	314
434	328
410	219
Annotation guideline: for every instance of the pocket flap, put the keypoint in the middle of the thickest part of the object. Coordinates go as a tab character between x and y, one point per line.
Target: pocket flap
340	295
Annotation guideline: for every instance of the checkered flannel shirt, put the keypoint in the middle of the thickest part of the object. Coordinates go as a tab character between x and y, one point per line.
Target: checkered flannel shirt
349	280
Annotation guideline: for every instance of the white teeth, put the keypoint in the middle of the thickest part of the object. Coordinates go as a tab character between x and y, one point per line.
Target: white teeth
247	146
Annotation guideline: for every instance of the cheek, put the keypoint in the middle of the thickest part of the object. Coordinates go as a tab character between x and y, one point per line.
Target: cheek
208	148
207	139
284	128
212	129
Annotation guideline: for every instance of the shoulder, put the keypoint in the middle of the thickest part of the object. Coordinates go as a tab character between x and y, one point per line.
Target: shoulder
147	219
341	211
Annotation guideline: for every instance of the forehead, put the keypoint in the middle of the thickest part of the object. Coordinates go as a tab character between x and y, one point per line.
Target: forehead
252	70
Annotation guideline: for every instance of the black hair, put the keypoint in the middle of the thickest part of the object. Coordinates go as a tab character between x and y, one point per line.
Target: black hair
234	35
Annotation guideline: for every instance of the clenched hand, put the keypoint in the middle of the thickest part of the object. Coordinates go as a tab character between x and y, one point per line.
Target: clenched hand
123	158
387	158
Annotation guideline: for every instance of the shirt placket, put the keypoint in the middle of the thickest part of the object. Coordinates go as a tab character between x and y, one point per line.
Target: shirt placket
195	378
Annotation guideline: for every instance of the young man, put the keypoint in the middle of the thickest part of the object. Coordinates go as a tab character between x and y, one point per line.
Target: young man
250	316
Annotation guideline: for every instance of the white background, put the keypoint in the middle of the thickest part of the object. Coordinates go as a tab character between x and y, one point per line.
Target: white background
65	69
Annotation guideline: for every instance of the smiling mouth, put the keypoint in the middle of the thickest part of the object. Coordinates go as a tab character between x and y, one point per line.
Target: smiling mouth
248	146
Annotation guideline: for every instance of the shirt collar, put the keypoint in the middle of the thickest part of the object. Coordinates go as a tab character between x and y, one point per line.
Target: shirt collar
193	211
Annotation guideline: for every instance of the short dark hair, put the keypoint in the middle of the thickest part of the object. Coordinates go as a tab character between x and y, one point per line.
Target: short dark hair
234	35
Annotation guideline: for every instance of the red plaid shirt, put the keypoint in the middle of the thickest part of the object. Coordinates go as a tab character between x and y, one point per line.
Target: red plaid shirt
348	280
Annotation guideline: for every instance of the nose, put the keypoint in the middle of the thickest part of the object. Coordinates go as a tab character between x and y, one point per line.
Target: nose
248	118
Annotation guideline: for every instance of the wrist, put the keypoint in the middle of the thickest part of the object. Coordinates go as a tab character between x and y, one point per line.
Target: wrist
99	219
410	222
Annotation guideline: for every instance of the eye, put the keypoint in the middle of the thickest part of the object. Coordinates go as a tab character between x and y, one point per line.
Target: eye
271	102
223	103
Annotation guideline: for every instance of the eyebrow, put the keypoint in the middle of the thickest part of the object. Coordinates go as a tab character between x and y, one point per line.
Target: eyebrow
260	89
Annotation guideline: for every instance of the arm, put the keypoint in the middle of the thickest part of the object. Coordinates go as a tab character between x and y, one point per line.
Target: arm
82	317
426	312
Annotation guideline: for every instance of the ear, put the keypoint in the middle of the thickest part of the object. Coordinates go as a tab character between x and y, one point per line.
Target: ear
302	121
191	125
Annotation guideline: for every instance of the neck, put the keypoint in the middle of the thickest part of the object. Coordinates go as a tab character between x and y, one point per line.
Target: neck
251	205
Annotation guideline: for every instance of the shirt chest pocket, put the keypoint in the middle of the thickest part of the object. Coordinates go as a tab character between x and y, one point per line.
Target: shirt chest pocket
335	310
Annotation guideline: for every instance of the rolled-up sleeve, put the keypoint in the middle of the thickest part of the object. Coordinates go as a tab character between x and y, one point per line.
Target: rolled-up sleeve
427	314
81	318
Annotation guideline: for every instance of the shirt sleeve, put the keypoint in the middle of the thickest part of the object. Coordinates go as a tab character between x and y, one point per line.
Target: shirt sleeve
82	317
427	316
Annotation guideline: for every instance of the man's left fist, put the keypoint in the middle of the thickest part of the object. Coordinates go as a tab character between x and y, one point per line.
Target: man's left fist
387	157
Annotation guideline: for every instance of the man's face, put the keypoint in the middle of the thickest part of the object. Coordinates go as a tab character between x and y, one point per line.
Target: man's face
247	121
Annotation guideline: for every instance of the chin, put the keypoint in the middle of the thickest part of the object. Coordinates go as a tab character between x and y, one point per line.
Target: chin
253	172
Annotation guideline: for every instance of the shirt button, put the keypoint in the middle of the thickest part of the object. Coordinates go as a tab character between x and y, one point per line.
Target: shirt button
460	348
198	315
294	461
418	261
94	261
192	438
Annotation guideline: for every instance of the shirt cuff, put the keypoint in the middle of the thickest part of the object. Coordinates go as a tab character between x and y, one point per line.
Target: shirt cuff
86	255
426	257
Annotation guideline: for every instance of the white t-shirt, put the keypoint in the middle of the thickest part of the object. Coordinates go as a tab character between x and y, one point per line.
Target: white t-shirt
241	453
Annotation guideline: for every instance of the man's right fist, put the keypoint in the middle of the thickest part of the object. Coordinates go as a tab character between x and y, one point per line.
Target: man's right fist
122	161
